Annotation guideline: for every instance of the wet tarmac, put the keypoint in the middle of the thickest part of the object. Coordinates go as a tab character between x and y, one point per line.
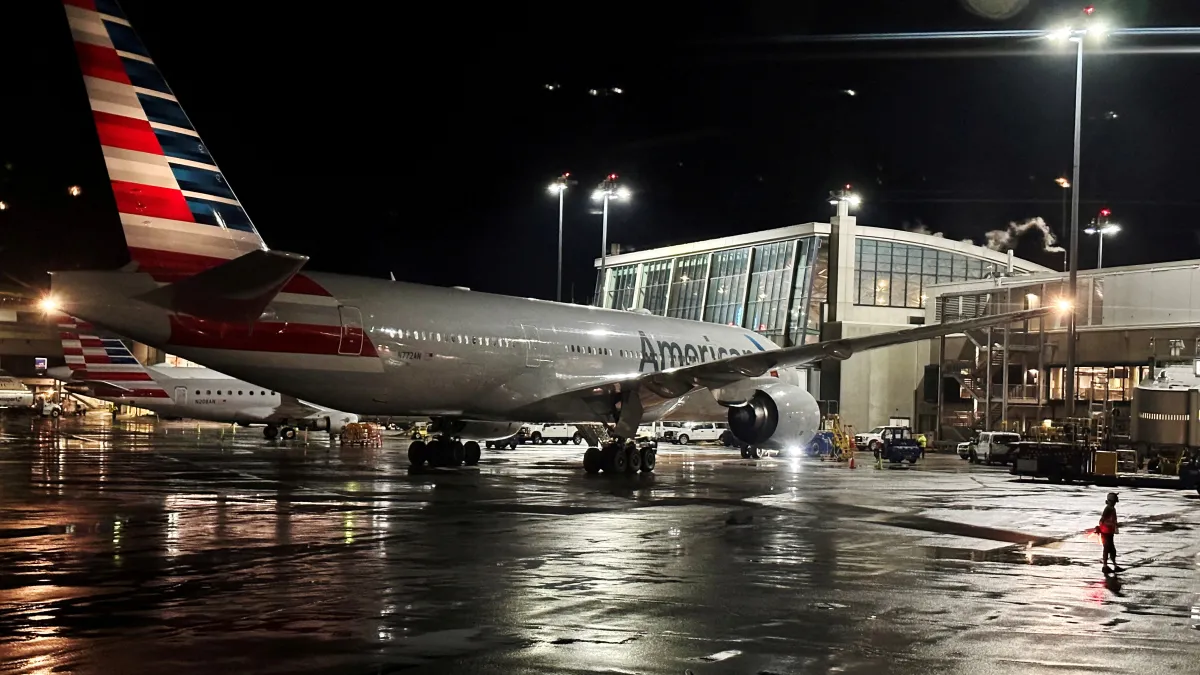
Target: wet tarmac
177	548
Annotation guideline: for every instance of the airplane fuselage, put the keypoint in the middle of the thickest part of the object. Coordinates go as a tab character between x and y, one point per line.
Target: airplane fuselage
394	348
217	399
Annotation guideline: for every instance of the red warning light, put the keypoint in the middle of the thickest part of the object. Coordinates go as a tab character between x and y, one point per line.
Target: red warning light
566	174
1105	212
612	176
847	186
1089	10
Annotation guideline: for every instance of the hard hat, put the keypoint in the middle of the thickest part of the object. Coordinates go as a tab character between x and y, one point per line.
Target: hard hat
1112	498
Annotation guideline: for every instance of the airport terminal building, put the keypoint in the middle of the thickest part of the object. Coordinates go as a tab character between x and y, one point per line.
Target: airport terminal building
815	281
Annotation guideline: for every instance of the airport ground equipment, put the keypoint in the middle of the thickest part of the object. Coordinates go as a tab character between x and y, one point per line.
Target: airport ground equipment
366	434
895	444
1067	462
833	441
1164	427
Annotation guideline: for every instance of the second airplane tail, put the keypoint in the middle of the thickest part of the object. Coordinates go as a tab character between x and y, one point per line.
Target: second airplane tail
104	363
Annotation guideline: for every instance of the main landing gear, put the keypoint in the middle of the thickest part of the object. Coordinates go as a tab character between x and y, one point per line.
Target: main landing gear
618	456
443	451
287	432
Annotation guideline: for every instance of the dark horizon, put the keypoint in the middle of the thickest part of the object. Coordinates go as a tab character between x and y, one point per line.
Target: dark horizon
373	151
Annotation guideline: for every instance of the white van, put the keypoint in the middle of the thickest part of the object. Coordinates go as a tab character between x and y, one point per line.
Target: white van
993	446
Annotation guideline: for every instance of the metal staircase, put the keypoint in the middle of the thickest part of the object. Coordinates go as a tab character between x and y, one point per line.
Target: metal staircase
971	370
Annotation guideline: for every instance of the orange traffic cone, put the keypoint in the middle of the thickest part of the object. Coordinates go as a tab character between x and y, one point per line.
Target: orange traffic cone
851	462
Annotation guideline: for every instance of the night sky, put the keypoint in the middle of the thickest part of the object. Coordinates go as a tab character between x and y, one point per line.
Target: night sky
419	140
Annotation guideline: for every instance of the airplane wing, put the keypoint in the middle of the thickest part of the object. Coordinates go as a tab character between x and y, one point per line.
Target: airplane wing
93	383
725	371
291	407
729	372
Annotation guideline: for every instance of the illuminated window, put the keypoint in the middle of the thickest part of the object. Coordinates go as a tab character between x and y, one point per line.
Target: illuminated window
727	286
656	277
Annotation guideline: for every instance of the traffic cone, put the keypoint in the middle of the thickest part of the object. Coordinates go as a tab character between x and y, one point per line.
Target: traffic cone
851	461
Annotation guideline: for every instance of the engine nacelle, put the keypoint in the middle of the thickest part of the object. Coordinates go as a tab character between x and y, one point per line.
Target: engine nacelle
475	431
331	423
777	416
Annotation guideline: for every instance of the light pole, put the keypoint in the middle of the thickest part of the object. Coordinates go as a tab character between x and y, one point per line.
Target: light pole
559	187
1065	185
1102	226
606	191
1076	33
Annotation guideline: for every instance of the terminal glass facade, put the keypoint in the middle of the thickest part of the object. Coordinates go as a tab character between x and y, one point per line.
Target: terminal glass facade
775	288
688	282
895	274
778	288
727	286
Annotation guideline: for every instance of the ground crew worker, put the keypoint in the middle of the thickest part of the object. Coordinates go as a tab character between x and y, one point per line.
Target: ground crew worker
921	442
1108	530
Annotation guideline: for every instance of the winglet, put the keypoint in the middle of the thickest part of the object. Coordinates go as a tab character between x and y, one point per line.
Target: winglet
238	290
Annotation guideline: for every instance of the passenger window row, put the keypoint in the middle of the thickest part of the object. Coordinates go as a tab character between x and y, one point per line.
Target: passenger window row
241	392
581	349
604	351
484	341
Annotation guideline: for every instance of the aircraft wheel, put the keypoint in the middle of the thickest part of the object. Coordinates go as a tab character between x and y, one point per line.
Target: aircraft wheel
755	452
270	432
471	453
745	452
592	460
418	452
649	457
289	433
617	459
456	453
633	459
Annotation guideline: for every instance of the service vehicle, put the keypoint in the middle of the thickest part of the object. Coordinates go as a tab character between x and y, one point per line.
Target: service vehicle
552	433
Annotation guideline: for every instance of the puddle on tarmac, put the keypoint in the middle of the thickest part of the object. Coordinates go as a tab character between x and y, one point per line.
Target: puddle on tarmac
1013	556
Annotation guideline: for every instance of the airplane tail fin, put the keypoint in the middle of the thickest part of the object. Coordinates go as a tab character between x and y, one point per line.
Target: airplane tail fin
105	363
179	215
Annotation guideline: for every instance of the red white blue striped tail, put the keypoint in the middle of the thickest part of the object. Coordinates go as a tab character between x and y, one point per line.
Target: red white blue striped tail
179	215
105	363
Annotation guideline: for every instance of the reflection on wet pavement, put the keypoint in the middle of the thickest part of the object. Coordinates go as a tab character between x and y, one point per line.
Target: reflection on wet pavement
173	547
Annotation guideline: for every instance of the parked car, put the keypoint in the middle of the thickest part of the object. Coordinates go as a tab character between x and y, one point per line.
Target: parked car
703	431
992	447
553	433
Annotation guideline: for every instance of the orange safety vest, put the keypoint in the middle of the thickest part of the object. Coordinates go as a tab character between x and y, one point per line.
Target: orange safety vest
1108	525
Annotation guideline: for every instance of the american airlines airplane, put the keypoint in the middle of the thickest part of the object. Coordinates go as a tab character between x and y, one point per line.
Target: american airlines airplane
105	366
14	393
203	284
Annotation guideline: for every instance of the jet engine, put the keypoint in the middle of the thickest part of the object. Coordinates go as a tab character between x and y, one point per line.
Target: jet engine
333	423
472	430
777	416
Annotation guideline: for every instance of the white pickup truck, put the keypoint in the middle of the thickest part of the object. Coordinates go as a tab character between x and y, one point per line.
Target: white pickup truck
704	431
554	433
